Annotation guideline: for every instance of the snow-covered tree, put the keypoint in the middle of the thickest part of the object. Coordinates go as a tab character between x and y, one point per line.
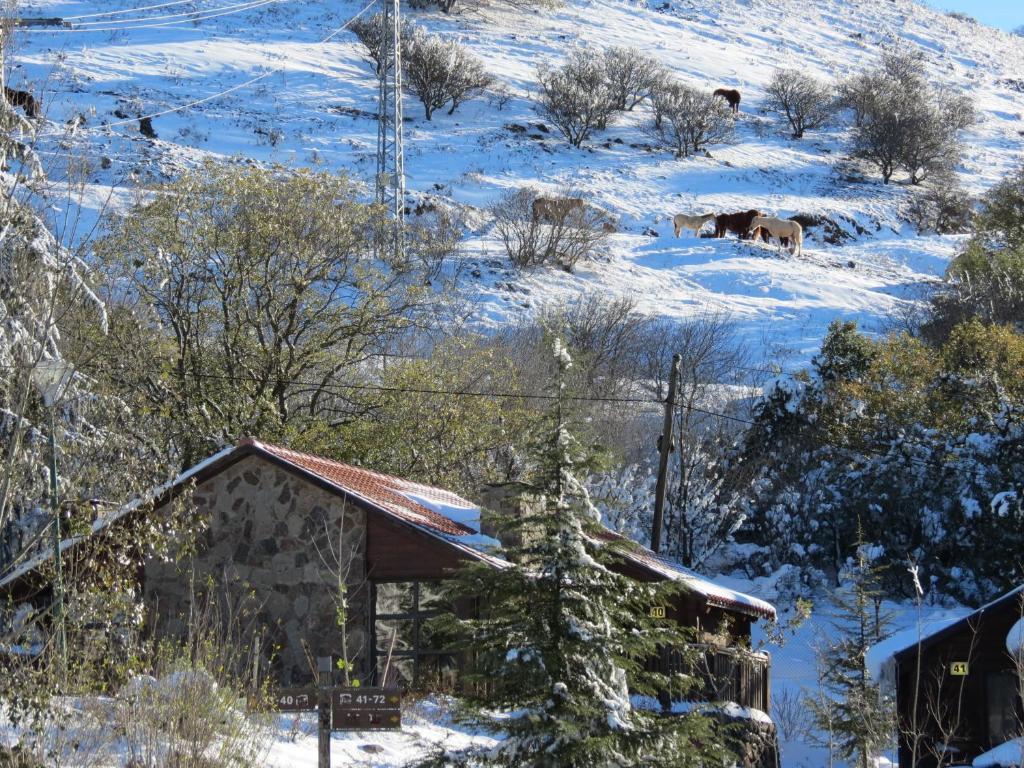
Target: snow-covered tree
855	712
562	638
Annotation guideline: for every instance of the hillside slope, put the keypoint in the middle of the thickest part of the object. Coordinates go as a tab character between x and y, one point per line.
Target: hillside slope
316	109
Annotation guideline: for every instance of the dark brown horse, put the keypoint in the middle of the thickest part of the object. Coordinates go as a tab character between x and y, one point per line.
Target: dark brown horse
732	96
22	99
738	223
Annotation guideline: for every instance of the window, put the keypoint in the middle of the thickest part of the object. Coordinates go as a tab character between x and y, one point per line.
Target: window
403	633
1002	706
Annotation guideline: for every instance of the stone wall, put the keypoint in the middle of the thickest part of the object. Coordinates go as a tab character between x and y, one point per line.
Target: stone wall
272	544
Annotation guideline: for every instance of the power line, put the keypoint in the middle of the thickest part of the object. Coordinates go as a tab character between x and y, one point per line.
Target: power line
240	86
196	17
187	15
128	10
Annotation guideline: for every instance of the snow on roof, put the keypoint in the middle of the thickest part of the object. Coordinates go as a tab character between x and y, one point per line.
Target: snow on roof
1015	639
1007	755
881	657
716	594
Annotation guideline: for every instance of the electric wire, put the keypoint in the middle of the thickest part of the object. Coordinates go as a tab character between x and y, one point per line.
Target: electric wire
128	10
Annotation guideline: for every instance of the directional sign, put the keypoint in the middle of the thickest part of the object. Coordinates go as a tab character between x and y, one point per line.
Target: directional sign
294	700
366	709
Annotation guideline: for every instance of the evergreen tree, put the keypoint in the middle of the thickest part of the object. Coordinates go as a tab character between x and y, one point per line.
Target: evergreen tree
562	639
855	710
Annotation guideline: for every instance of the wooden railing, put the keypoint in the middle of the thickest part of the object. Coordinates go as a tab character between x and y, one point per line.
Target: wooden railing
725	674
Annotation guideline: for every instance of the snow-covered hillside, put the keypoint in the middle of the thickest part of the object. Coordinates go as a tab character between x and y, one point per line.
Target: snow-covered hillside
316	108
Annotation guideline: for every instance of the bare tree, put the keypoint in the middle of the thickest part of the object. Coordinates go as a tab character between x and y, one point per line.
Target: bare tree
805	102
576	96
688	120
440	71
632	76
564	237
902	122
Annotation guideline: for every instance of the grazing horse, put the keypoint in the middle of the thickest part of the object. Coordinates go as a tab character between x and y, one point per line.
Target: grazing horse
782	228
681	221
732	96
555	209
22	99
737	222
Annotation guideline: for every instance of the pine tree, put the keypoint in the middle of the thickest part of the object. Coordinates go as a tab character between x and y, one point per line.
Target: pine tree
561	641
855	711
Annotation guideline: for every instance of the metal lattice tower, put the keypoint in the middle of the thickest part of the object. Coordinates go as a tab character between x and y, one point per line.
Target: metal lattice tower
390	157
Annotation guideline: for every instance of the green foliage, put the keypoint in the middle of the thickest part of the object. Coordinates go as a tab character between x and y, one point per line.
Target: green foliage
562	640
986	281
855	712
924	445
241	298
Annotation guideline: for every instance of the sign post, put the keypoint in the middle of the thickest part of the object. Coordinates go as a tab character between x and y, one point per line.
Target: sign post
324	669
367	709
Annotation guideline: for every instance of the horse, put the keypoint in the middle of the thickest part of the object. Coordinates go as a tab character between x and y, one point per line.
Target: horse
782	228
22	99
681	221
554	209
737	222
732	96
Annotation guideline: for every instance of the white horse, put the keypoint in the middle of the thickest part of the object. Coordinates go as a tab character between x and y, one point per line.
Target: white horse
781	228
681	221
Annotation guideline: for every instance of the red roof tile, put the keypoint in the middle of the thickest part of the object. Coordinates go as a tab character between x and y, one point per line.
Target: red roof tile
383	491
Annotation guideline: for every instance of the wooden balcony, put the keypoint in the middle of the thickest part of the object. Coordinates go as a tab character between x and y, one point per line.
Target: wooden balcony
725	674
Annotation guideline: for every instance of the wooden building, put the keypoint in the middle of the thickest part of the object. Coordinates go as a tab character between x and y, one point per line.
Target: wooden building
282	526
958	688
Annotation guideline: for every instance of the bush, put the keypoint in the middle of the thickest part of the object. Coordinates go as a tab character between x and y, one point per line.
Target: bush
632	76
440	71
687	120
563	238
370	32
576	97
902	122
943	207
805	102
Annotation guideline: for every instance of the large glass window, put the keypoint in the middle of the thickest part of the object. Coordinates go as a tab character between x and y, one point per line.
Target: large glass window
410	650
1002	706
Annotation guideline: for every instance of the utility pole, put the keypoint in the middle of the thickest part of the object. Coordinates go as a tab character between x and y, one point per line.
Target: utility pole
52	378
390	151
664	447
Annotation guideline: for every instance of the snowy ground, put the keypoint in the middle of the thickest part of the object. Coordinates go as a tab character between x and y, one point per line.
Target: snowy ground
315	109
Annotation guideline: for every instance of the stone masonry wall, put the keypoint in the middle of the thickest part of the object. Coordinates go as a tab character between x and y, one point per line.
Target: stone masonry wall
275	536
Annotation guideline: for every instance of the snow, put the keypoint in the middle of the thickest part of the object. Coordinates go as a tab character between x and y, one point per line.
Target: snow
1015	639
311	103
1007	755
880	657
729	708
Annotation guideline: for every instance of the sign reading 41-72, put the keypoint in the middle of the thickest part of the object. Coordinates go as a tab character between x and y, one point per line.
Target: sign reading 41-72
366	709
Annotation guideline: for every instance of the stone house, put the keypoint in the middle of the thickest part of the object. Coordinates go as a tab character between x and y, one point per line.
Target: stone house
284	529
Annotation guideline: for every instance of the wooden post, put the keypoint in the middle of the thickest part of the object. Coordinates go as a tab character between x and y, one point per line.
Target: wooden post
324	670
664	446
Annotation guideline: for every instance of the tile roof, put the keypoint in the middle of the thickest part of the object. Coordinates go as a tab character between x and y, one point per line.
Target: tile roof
383	491
713	593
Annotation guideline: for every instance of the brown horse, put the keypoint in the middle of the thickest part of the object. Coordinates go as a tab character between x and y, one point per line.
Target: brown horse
732	96
22	99
738	223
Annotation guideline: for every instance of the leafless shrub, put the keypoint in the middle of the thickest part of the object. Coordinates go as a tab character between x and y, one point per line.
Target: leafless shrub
943	207
632	76
440	71
576	97
370	32
688	120
902	122
563	238
791	714
805	102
